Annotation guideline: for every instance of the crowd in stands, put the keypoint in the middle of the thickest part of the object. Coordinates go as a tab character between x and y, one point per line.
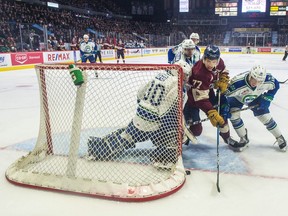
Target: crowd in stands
105	6
67	25
66	28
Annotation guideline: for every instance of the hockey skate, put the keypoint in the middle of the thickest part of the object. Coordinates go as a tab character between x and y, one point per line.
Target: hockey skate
230	141
241	145
282	143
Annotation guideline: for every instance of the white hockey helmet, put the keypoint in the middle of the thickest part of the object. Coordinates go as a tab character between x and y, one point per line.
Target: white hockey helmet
195	36
188	44
258	72
185	67
85	36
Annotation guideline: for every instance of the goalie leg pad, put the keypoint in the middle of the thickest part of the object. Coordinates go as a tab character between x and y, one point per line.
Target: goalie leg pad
97	149
135	134
105	148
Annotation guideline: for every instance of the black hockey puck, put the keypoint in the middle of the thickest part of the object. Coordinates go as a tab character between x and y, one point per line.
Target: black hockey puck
188	172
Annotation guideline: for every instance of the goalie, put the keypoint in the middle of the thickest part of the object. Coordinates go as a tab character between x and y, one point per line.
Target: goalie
157	119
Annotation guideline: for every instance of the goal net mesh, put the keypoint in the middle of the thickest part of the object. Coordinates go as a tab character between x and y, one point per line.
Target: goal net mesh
88	139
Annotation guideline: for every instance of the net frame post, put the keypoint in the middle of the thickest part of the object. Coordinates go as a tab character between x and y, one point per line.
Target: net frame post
76	127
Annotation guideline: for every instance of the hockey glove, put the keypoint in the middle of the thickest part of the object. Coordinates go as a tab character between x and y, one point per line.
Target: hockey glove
225	111
225	107
215	118
265	100
222	83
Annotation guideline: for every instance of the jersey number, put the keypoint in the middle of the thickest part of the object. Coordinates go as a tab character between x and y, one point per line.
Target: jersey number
155	94
197	84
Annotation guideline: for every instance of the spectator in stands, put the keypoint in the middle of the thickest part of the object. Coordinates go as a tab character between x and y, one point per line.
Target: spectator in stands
3	46
49	42
61	45
54	43
63	23
74	43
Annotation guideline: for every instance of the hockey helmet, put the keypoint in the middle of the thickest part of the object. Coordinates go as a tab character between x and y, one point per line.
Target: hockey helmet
185	67
195	36
85	36
258	72
212	52
188	44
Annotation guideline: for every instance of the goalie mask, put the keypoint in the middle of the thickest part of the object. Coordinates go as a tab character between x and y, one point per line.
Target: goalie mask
185	67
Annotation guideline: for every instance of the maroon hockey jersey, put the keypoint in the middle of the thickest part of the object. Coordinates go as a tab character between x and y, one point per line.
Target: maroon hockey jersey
201	81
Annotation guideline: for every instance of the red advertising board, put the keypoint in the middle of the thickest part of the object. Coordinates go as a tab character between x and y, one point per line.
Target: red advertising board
264	49
26	58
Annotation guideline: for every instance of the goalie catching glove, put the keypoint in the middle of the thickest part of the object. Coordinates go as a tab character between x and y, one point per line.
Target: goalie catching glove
223	81
215	118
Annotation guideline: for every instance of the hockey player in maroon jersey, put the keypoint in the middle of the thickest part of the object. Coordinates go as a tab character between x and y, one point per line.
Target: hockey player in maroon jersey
120	51
208	74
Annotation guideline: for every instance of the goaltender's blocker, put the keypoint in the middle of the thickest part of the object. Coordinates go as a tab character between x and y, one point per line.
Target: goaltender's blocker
156	119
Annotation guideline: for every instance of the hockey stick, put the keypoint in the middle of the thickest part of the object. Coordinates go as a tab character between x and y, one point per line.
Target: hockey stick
218	138
218	141
189	134
206	119
282	82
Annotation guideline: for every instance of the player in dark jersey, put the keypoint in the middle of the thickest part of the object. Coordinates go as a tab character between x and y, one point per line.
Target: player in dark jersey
120	51
207	74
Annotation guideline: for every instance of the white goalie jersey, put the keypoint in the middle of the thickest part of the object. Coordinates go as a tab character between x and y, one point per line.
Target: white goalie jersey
155	100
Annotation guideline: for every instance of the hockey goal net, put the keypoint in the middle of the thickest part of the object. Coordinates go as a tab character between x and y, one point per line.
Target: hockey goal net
101	110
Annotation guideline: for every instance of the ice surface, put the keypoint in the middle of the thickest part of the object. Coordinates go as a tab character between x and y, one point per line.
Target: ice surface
254	182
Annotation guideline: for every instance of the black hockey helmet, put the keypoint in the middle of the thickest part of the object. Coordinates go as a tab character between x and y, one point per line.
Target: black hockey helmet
212	52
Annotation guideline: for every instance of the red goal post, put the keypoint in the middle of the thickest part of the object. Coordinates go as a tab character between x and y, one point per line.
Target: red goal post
105	103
